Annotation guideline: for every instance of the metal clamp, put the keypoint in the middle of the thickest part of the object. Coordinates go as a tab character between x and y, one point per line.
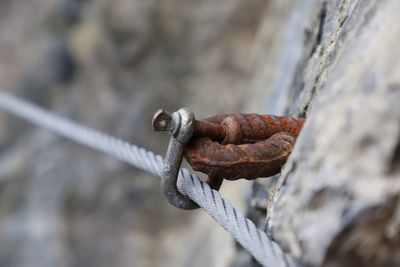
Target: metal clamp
180	125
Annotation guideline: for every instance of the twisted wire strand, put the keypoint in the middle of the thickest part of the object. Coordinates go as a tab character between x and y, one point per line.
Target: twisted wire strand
266	251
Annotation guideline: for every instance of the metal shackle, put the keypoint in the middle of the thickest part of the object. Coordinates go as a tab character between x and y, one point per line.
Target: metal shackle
180	125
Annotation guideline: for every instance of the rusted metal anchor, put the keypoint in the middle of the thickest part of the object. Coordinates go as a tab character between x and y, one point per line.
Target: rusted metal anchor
242	145
224	147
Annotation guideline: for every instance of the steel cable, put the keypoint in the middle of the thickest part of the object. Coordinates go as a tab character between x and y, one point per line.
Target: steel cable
266	251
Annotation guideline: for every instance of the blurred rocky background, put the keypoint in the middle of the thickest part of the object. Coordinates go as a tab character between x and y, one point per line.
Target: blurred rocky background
111	63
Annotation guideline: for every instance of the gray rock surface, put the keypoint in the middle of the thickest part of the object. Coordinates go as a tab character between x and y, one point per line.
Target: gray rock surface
337	63
111	63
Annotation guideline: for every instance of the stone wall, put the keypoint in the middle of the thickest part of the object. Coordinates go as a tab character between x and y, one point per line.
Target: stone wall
336	63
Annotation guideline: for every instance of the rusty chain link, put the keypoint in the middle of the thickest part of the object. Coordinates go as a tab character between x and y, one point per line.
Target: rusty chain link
241	145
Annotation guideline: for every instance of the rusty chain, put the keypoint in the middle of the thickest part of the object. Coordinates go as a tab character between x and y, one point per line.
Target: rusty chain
241	145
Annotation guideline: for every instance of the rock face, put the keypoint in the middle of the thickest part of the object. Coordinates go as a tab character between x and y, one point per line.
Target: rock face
111	63
336	62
